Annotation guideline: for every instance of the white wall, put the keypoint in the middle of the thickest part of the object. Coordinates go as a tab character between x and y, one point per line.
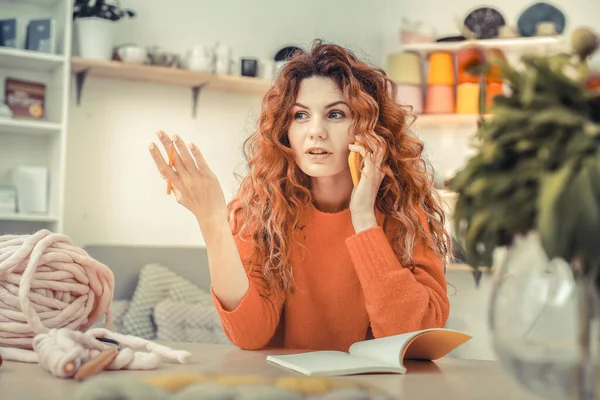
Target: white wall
126	202
114	194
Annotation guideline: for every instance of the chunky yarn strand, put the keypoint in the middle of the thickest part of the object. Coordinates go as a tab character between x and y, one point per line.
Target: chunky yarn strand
60	347
48	283
51	293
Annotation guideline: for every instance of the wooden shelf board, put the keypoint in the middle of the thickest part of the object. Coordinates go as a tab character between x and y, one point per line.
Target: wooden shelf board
29	60
240	84
141	73
28	127
508	43
168	75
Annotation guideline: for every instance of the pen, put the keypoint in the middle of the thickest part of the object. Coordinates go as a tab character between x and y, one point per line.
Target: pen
171	163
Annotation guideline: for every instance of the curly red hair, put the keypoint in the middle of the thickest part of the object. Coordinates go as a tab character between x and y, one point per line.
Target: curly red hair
274	194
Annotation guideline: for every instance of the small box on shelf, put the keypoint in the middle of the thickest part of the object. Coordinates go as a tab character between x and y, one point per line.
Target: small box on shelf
8	32
41	35
32	189
25	99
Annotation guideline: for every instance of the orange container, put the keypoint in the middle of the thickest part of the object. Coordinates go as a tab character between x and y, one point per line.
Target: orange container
441	69
493	89
463	76
467	98
494	74
440	99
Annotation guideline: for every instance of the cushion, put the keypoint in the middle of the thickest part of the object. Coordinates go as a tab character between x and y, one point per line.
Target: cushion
186	292
156	283
153	285
179	321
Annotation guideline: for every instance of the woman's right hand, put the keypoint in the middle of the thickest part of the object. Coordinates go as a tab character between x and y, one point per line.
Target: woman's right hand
195	185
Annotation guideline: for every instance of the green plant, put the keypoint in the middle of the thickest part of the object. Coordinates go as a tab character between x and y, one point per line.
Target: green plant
100	9
537	167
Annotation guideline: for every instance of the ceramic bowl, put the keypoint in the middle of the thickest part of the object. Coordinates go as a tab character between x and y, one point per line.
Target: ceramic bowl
133	54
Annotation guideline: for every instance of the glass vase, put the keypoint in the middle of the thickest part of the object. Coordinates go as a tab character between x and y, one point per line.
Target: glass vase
544	322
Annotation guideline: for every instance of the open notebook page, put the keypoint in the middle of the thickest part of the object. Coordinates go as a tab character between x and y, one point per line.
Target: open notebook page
428	344
386	349
332	363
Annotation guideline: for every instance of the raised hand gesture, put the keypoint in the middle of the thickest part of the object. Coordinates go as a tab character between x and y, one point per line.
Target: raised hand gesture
194	184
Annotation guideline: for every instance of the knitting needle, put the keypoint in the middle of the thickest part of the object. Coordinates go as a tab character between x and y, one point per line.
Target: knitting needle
69	367
171	163
97	363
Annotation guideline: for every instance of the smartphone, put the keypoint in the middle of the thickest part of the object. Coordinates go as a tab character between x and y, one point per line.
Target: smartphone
354	160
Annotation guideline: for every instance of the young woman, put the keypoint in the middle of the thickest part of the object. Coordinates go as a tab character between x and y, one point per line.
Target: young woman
301	258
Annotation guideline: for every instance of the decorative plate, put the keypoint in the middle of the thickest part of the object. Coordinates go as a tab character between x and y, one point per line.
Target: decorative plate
484	22
540	12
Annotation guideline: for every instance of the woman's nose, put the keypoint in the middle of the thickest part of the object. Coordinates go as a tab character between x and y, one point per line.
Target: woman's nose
317	130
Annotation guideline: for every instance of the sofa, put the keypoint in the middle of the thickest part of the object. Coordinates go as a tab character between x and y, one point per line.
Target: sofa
161	293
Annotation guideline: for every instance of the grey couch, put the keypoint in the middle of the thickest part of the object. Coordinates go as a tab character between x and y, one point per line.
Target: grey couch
126	261
161	292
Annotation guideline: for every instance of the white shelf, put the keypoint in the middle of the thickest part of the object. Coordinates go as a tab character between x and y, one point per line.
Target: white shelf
448	194
42	3
453	267
28	218
447	120
28	127
38	141
506	44
30	60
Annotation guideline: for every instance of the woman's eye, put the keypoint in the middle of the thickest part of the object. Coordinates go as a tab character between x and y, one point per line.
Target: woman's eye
336	115
300	115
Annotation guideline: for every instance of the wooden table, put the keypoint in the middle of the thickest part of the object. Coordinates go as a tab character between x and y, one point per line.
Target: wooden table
446	379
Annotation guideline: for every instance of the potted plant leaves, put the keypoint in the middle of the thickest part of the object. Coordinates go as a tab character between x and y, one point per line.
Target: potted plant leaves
533	190
94	30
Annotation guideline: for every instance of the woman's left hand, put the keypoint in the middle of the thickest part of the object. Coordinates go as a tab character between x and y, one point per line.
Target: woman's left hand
362	201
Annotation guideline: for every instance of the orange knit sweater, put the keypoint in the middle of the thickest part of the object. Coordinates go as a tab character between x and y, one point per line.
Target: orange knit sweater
349	287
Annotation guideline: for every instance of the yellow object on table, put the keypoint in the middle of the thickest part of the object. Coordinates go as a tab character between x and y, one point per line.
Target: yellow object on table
311	387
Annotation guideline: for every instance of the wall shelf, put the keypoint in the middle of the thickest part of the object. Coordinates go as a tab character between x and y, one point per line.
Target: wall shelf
29	60
520	43
28	218
41	3
436	120
196	81
28	127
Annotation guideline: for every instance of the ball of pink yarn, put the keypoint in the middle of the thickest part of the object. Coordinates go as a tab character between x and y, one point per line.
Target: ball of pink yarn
47	282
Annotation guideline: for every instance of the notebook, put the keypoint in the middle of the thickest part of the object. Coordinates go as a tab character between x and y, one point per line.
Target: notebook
381	355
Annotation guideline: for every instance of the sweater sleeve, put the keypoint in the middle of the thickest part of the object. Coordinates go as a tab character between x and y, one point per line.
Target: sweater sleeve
252	324
398	299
